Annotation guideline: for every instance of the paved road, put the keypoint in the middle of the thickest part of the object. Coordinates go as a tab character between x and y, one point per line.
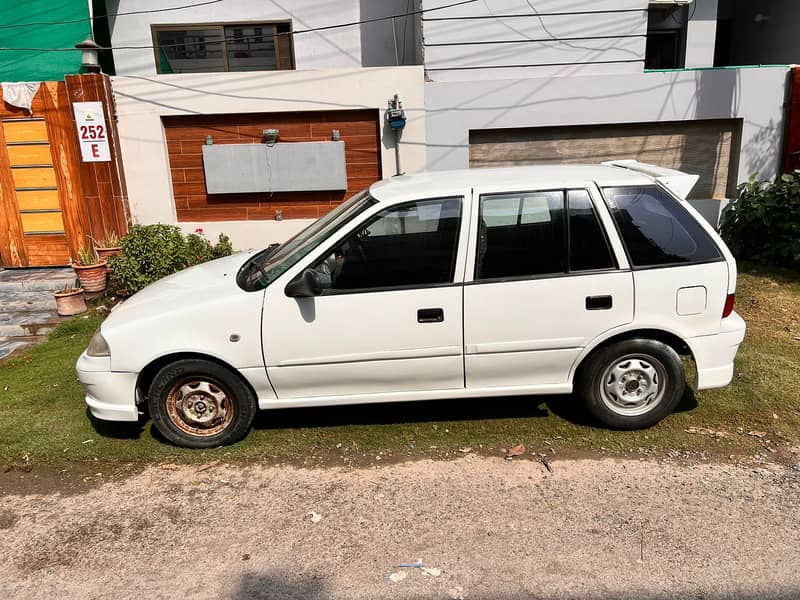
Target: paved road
484	527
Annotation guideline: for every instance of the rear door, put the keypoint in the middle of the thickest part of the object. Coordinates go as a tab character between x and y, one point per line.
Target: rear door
681	275
545	281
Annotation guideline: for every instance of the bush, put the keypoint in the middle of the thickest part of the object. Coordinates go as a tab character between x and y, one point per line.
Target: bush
763	223
150	252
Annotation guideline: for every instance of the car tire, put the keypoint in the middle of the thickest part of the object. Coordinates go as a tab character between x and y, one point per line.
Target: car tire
197	403
632	384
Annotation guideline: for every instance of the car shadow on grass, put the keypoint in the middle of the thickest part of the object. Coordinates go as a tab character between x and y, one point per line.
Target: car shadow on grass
117	430
565	406
395	413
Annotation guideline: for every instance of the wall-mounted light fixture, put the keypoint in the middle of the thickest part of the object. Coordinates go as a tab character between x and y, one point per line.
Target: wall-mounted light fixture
89	50
271	135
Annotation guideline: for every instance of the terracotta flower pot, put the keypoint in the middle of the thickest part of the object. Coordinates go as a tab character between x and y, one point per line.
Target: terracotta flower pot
70	303
105	253
93	277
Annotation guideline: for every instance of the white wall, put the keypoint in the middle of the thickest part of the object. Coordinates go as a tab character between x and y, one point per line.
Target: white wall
502	39
334	48
142	101
701	33
754	95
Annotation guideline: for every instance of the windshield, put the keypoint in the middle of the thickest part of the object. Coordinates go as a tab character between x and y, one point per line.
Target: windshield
269	264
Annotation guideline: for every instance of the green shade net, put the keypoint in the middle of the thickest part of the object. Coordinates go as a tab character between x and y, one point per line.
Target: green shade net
39	65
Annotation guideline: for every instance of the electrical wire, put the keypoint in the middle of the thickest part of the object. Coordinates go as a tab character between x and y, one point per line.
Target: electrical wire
549	33
296	32
119	14
541	40
541	14
405	29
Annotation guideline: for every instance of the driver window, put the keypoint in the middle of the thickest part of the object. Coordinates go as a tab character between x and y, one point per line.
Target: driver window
411	244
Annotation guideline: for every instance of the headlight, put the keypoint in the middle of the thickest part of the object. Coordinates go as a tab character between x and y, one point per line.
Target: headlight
98	346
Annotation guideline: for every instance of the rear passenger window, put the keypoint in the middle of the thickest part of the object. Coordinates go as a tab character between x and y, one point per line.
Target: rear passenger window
588	246
521	234
656	229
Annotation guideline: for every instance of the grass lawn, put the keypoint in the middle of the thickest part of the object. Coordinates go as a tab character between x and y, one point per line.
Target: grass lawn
43	418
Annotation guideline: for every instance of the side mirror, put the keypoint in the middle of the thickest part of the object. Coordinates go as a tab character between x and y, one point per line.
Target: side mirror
305	285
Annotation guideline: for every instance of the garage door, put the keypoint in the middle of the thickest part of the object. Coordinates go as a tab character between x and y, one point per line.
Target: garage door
708	148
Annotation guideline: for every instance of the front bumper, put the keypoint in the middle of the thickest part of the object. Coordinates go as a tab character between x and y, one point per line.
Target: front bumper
714	354
111	396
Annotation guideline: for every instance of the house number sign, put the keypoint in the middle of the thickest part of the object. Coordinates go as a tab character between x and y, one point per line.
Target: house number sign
92	131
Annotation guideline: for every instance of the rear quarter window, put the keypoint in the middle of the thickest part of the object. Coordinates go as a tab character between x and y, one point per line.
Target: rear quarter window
656	229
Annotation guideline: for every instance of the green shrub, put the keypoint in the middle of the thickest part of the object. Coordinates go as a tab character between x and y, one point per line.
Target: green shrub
763	223
150	252
222	248
198	250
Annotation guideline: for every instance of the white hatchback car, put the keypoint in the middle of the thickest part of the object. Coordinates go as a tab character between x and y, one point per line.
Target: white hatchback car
474	283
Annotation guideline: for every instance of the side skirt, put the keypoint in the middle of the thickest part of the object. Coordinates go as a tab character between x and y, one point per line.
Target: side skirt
536	390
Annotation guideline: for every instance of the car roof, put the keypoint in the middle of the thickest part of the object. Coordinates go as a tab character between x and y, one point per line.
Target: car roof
432	183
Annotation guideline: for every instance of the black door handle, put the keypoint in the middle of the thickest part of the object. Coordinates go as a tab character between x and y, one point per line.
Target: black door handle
430	315
598	302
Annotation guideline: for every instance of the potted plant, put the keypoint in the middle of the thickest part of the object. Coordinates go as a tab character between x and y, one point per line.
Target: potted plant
90	270
69	300
108	246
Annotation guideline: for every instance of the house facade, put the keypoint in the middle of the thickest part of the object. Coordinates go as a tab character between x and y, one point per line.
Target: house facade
519	82
223	74
253	118
506	82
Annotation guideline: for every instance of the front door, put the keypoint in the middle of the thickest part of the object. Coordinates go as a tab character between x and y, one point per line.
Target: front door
545	283
390	317
30	195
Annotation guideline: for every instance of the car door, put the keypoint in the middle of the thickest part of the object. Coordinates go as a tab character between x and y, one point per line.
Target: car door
389	318
546	281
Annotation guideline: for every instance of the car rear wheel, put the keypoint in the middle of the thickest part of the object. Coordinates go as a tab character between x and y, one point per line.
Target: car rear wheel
197	403
632	384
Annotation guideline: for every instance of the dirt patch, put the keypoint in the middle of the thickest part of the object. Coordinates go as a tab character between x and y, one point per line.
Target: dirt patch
68	479
483	527
7	519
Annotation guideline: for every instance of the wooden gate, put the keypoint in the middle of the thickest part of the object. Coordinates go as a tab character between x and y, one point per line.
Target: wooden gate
50	202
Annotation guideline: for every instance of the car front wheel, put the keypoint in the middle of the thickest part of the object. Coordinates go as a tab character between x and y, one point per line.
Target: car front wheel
197	403
632	384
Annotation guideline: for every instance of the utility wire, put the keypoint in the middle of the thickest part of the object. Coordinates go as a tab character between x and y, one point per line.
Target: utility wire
541	14
540	40
296	32
119	14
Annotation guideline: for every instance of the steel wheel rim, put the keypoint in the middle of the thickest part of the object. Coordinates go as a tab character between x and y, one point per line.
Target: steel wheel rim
200	406
633	385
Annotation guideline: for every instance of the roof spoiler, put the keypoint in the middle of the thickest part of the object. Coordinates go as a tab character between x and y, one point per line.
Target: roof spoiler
678	182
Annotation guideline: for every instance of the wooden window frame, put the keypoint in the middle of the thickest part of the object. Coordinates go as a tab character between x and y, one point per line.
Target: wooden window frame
221	25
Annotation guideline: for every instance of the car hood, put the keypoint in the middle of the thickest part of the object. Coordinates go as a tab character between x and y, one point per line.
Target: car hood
183	289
